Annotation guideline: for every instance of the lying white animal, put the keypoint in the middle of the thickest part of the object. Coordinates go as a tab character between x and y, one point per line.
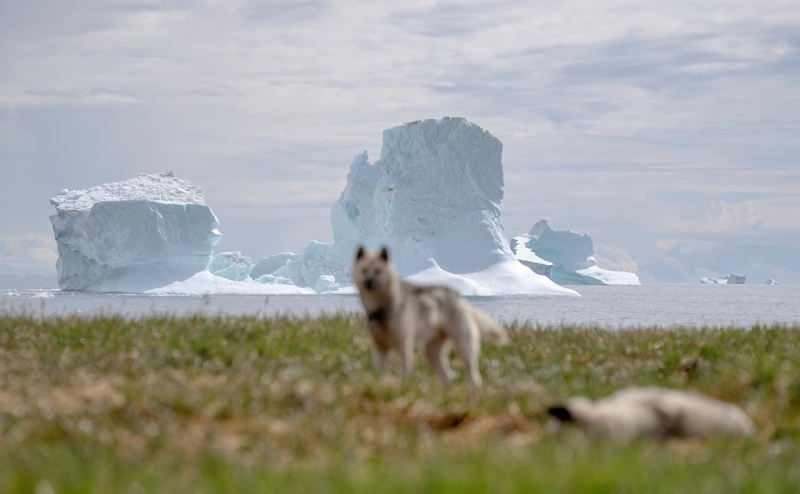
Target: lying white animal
654	412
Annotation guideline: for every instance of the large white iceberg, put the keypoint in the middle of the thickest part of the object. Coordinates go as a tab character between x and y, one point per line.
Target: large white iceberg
433	198
565	256
132	236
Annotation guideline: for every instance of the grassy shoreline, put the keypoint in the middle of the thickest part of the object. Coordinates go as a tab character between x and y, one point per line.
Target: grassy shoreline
291	404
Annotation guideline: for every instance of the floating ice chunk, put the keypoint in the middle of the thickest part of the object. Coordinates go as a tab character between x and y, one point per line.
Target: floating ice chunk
326	283
231	265
731	279
565	256
270	264
736	279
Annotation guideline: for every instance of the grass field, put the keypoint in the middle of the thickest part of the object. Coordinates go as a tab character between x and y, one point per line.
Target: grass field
288	405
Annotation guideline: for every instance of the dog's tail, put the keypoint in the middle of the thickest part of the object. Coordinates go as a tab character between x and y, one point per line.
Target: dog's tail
489	329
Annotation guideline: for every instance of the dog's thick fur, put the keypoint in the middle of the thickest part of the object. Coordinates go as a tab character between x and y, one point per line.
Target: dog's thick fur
654	412
402	316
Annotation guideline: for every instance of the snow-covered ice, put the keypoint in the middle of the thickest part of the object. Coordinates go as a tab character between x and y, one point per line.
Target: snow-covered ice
433	198
566	256
205	283
133	235
771	282
731	279
529	258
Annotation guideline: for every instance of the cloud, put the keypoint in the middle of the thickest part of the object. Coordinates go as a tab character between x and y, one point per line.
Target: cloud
688	261
719	216
614	258
27	253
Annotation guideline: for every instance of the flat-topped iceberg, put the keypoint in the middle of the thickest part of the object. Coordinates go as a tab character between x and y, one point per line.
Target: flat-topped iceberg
565	256
134	235
731	279
433	198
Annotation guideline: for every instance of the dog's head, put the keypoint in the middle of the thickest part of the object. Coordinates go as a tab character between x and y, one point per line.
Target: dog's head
372	271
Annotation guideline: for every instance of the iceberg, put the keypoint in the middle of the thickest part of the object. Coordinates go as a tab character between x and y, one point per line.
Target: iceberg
566	257
433	198
270	264
731	279
134	235
231	265
152	234
771	282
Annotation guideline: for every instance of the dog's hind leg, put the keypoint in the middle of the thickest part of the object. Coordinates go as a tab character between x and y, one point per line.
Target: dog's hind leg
436	353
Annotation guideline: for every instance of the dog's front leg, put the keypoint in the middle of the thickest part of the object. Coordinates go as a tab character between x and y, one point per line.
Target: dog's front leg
380	358
406	357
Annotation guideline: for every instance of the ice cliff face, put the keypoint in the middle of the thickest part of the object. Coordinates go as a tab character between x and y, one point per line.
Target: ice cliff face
134	235
433	198
567	257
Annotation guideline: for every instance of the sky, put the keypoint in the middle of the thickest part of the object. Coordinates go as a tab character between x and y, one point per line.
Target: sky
669	131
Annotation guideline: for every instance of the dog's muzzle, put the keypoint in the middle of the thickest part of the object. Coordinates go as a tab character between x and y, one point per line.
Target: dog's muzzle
370	285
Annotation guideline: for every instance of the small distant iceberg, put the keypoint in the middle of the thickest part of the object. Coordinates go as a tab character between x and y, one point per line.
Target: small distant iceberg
771	282
731	279
566	257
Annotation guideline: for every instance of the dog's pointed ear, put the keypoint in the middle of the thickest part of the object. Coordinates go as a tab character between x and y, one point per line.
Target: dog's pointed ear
560	412
360	252
385	254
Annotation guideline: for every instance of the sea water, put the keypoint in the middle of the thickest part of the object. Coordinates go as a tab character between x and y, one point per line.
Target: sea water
656	305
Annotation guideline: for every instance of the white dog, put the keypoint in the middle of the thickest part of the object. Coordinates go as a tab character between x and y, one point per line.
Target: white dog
402	316
654	412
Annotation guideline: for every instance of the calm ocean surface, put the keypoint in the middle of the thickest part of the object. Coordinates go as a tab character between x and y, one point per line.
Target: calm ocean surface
662	305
